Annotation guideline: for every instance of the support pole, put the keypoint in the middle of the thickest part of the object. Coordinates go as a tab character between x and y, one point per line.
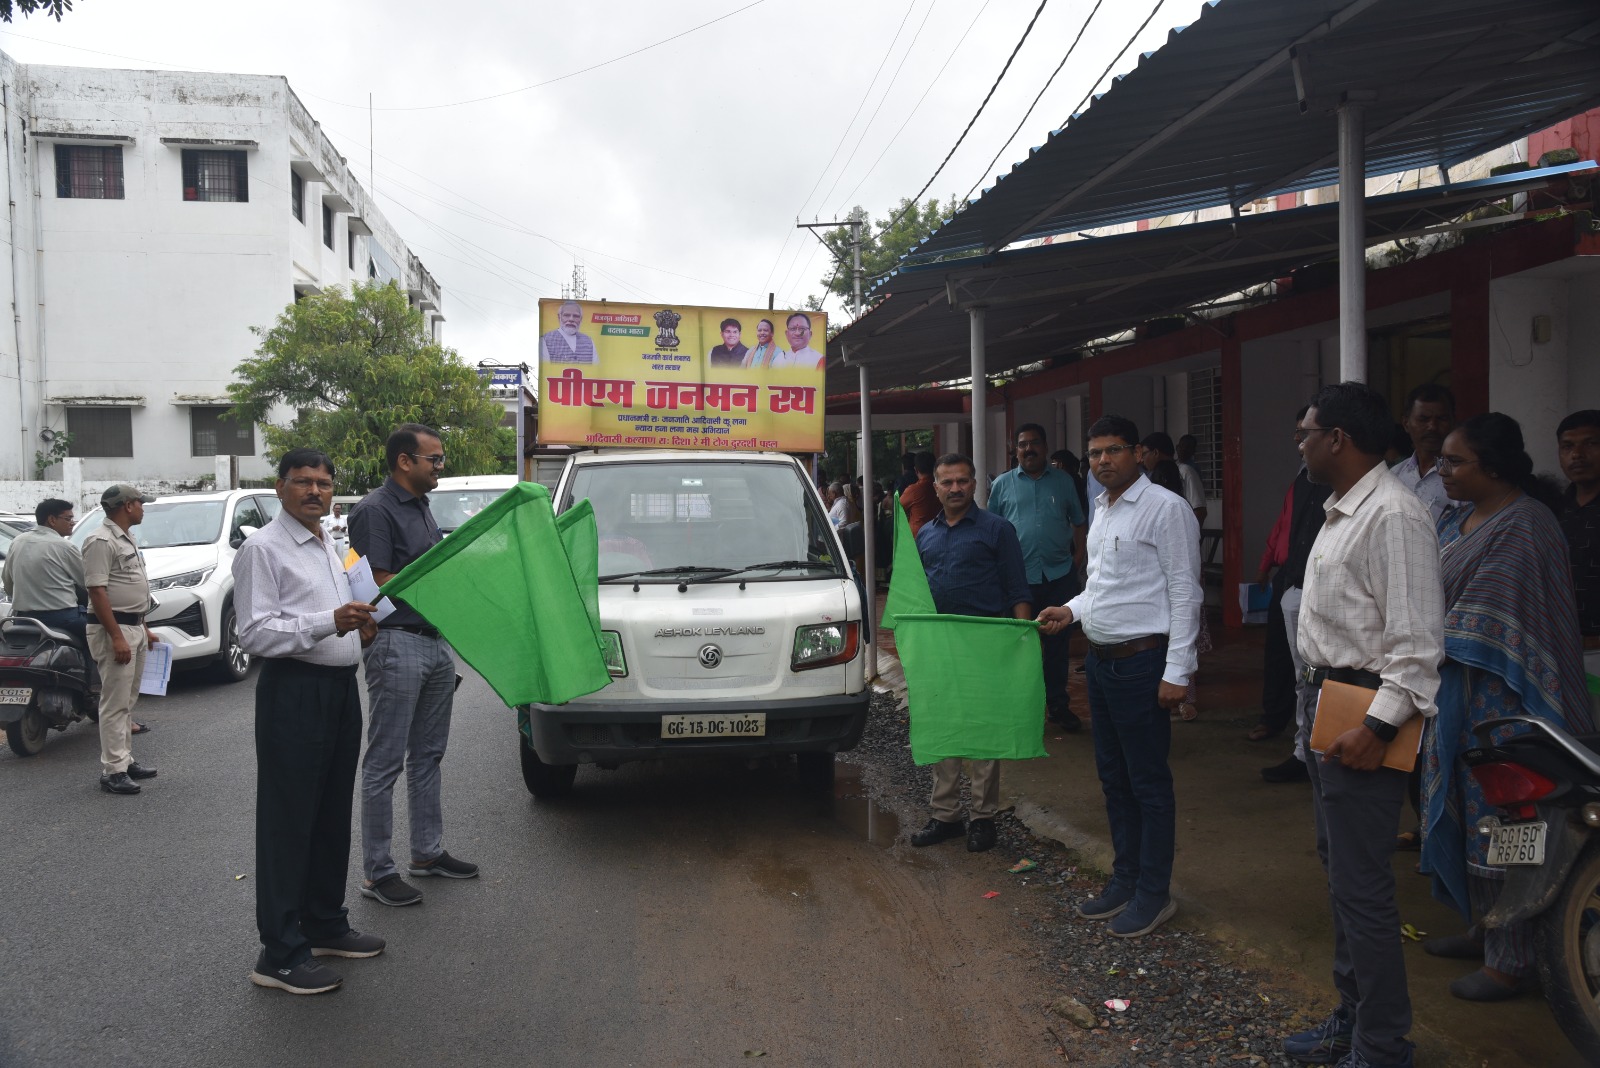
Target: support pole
1352	244
855	265
980	410
869	533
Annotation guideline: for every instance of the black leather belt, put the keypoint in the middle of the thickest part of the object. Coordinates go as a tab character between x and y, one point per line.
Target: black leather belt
1125	649
1367	680
421	629
129	619
302	667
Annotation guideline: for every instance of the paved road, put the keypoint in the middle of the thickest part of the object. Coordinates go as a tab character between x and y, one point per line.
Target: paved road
665	915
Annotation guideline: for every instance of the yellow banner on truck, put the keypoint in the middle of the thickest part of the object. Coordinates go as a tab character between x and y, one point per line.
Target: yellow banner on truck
659	376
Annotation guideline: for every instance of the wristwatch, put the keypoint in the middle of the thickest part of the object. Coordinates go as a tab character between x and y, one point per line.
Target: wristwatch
1386	732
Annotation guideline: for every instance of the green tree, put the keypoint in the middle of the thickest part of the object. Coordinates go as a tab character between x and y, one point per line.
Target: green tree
53	8
882	244
354	367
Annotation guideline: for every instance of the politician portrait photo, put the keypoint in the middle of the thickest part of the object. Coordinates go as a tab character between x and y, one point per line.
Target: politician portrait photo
731	352
568	344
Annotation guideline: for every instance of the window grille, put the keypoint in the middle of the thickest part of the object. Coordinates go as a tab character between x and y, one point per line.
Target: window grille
89	172
211	433
1205	423
297	195
327	226
217	175
100	431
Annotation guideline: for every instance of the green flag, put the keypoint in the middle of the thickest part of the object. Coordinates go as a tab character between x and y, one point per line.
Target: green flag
908	584
514	589
975	685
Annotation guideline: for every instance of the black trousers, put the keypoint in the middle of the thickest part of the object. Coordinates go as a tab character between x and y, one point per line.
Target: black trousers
308	740
1057	648
1277	670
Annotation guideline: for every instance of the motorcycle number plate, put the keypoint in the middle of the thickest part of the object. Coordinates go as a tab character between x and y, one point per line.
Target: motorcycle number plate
15	695
1517	844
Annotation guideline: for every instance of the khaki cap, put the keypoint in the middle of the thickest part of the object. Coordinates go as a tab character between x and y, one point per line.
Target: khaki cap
121	494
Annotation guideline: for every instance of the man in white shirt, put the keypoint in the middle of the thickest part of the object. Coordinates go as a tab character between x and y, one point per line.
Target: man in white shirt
1158	447
1371	615
1141	613
797	328
296	613
566	344
1429	416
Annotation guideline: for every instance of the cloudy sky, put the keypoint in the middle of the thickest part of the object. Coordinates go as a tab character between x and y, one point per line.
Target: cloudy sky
673	174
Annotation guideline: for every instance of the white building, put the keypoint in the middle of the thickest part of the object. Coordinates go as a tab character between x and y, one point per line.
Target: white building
155	218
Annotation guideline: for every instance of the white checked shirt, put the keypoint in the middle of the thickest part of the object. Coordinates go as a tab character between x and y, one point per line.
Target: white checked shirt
1144	574
1430	486
286	584
1373	599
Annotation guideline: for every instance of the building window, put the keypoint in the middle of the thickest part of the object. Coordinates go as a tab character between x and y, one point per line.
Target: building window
212	433
1205	423
327	226
218	175
89	172
350	249
297	195
100	431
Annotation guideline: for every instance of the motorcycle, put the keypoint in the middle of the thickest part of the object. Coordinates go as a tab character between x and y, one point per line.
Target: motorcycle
1547	785
47	681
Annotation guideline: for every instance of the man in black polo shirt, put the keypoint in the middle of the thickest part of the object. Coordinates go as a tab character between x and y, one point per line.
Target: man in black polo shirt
411	677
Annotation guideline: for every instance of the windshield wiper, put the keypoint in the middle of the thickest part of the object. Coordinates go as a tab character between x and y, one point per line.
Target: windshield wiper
681	569
780	565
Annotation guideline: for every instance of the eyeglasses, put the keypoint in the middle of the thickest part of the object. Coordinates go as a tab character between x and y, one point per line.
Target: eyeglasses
321	485
1301	434
1110	452
437	459
1448	464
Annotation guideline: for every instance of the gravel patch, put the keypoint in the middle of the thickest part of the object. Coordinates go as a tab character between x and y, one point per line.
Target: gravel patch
1188	1001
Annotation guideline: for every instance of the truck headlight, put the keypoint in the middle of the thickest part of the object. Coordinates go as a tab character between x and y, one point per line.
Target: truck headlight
616	664
825	644
183	581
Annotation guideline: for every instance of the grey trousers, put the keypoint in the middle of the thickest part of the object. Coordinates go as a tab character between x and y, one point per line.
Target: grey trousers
1357	813
411	682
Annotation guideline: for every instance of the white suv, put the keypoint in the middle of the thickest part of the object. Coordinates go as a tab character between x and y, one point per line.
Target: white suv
188	542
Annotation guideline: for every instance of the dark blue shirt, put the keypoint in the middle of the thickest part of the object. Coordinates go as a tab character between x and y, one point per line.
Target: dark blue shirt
975	567
391	528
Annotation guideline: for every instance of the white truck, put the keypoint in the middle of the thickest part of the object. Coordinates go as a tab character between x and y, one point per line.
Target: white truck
732	621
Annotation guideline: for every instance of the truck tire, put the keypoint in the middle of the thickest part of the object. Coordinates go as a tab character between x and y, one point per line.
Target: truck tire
814	770
1566	939
28	735
544	780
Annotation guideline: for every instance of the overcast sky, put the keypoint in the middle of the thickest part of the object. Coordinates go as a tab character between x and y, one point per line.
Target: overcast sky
675	175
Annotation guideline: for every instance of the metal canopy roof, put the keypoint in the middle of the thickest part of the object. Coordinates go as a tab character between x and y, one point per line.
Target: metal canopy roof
1239	106
1047	300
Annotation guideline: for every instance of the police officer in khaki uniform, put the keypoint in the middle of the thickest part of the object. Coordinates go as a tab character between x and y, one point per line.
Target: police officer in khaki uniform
119	597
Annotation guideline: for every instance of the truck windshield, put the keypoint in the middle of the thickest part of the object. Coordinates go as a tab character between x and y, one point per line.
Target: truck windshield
703	516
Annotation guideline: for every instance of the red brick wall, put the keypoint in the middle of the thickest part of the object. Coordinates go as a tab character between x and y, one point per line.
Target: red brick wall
1581	132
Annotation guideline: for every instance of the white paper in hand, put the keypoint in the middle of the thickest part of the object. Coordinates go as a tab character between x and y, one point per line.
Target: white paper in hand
157	670
363	587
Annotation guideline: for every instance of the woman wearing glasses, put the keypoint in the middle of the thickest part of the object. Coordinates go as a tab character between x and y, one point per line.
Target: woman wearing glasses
1511	648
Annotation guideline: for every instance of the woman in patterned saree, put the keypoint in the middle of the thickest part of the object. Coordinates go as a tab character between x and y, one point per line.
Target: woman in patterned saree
1511	648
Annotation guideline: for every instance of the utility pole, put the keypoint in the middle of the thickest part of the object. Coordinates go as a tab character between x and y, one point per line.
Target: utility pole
855	222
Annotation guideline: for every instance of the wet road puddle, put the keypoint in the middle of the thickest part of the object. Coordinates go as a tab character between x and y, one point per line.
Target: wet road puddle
855	810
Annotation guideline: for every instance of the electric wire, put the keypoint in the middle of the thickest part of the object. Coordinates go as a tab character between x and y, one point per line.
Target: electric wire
1114	61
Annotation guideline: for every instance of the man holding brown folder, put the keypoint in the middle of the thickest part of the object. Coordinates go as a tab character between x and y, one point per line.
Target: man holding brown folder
1371	635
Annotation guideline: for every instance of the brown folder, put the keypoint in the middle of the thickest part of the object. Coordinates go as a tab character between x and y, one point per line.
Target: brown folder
1342	706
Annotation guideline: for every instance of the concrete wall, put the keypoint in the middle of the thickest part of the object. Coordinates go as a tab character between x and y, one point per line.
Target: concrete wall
147	302
1583	348
1529	380
1279	375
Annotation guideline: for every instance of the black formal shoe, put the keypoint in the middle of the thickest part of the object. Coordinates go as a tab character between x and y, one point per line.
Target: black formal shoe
980	835
139	771
938	831
1291	770
118	784
1066	720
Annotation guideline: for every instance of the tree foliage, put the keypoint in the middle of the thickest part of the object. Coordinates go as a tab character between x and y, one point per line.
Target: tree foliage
354	367
53	8
882	244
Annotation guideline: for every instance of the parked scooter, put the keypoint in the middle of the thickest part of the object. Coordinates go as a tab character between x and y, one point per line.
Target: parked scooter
47	680
1547	784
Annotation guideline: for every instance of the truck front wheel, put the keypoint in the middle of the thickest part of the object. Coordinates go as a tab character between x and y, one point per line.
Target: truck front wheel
544	780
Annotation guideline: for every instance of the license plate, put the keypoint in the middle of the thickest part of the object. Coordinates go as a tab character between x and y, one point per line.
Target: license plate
746	725
1516	844
15	695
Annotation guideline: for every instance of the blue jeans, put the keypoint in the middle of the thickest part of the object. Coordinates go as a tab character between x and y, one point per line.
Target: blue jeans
73	620
1132	736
